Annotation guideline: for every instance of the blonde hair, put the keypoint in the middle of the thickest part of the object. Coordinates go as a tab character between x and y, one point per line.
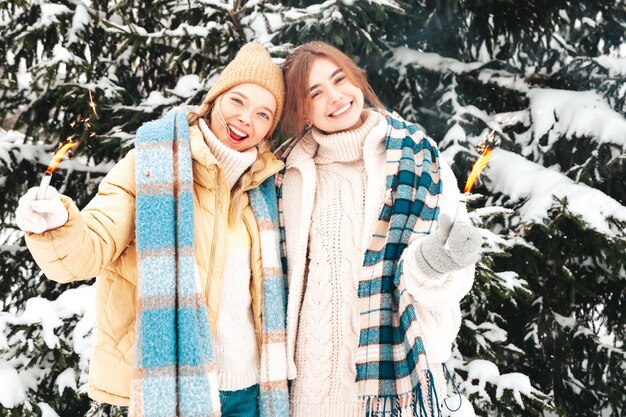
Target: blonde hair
296	70
237	200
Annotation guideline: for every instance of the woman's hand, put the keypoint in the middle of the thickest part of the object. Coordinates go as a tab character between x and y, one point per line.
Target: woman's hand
451	247
37	216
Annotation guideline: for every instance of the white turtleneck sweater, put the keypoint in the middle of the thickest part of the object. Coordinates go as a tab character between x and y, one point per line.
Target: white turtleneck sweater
321	387
328	327
236	347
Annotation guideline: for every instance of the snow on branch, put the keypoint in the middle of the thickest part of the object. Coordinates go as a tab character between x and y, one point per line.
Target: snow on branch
616	66
18	372
182	31
13	149
536	186
481	372
403	57
575	113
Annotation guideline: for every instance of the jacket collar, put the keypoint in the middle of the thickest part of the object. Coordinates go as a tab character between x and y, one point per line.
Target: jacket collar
272	167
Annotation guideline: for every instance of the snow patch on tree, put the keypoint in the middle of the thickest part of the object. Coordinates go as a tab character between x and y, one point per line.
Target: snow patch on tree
575	113
11	389
536	187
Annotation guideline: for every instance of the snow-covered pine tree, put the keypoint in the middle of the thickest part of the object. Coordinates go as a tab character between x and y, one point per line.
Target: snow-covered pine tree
549	289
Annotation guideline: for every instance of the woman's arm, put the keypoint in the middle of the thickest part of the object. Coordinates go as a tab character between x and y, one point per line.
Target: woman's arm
437	295
92	239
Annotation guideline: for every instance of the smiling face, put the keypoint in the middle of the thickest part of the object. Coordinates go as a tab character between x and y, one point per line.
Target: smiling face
243	116
335	102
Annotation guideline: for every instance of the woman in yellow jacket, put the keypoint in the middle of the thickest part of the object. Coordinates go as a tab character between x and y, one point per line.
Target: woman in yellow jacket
235	276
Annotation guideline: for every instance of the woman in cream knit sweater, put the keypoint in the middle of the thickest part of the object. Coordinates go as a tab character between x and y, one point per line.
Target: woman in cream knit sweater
378	251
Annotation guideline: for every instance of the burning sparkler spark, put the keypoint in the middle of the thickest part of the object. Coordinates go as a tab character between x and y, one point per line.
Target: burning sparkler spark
92	104
479	166
58	155
56	160
65	148
485	147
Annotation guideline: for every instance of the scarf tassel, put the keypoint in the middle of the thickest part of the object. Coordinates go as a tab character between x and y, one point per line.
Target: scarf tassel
397	405
433	395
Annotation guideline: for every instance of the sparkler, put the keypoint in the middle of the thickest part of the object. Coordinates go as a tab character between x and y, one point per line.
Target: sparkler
64	149
92	104
485	147
56	160
479	166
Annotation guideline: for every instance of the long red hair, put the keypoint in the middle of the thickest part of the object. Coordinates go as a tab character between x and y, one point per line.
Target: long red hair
296	69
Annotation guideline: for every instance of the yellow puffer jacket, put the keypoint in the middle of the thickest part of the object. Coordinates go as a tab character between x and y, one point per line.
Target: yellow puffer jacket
100	241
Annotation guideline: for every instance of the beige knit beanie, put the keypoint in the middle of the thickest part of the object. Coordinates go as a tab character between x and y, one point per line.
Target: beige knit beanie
252	64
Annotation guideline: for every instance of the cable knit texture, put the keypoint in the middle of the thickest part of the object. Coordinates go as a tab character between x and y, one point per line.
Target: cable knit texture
328	329
436	297
233	162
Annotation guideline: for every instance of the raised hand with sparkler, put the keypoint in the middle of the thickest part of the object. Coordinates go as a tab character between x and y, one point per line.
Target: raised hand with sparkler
452	247
39	211
456	242
41	208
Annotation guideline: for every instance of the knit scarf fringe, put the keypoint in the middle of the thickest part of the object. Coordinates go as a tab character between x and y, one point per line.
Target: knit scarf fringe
416	403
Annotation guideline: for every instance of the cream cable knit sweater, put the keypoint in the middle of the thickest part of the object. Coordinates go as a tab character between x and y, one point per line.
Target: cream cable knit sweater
328	329
236	348
436	298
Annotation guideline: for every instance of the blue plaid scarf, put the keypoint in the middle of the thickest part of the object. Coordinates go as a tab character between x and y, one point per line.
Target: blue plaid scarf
175	373
391	365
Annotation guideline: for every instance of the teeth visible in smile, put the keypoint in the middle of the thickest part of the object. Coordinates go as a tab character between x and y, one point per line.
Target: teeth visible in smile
237	131
341	110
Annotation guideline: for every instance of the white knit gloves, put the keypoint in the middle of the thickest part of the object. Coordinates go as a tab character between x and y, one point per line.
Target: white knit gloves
37	216
450	248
